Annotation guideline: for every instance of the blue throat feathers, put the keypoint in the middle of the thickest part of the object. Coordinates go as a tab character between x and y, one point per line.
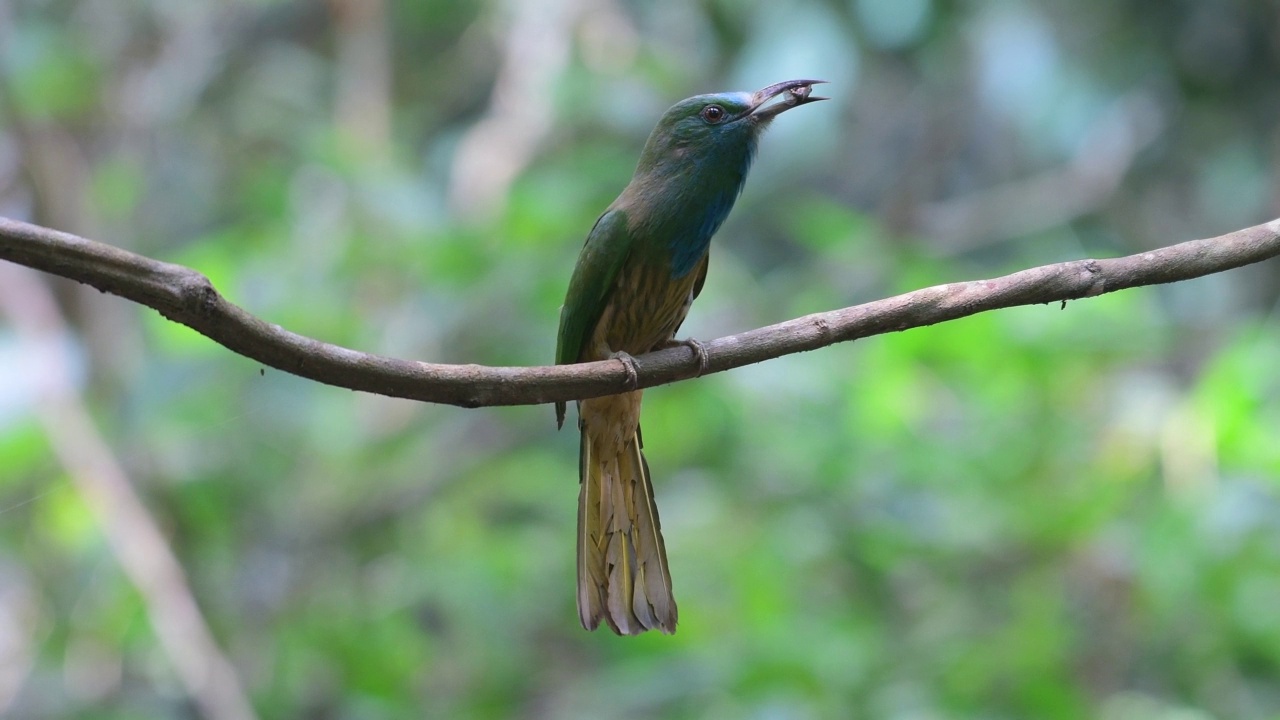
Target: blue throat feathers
720	189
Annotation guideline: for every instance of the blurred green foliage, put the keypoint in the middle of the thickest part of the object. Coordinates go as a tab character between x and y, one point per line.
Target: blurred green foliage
1033	513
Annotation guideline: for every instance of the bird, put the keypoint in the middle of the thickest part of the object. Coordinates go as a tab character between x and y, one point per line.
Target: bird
641	267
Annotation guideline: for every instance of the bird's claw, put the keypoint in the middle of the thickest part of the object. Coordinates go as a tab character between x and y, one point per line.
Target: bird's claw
629	364
699	353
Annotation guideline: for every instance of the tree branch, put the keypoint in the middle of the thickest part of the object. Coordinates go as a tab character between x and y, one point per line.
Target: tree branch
185	296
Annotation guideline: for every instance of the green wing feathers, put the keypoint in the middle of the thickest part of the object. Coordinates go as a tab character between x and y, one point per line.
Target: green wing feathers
623	577
602	256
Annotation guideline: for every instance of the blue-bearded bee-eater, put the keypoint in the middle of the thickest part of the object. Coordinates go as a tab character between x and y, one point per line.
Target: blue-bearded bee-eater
643	264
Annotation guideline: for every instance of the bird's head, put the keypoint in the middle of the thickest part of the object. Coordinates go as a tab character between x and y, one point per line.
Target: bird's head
721	126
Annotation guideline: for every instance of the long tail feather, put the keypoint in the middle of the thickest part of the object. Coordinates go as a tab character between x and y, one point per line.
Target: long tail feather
623	577
590	553
655	577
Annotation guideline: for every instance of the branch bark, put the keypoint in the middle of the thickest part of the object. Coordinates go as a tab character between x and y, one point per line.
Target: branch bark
185	296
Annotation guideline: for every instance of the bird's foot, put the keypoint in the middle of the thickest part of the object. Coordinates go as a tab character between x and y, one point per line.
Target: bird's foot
699	353
628	364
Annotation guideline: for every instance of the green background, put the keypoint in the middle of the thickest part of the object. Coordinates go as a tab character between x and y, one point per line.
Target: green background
1031	513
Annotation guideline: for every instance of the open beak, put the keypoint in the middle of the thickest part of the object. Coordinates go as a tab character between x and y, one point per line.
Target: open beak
795	93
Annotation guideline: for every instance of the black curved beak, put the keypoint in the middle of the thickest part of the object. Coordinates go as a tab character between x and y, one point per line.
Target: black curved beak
795	93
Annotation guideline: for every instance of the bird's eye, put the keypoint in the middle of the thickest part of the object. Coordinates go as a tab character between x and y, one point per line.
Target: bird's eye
713	114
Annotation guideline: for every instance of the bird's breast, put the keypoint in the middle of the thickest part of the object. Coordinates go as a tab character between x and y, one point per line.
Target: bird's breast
644	310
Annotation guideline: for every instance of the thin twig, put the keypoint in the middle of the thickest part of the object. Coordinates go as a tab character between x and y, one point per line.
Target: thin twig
185	296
